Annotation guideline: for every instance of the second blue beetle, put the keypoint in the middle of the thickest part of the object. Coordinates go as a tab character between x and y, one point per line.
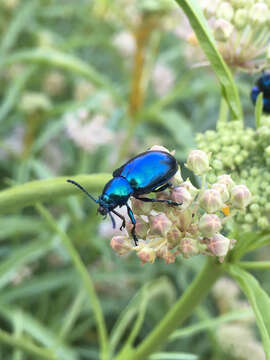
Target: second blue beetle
262	85
145	173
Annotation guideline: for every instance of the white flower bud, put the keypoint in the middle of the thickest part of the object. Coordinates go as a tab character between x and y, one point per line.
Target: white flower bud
190	188
223	30
227	180
177	179
189	247
125	43
211	201
209	225
225	11
241	196
223	190
182	196
198	162
259	13
219	245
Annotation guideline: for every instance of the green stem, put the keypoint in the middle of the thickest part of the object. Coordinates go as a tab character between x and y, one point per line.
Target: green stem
254	265
179	312
18	197
26	345
85	276
223	112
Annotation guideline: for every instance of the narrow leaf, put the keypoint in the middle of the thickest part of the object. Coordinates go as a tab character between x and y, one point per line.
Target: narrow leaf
259	301
207	42
258	110
173	356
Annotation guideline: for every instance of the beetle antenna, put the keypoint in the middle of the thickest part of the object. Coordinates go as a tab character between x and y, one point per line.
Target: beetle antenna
83	189
113	221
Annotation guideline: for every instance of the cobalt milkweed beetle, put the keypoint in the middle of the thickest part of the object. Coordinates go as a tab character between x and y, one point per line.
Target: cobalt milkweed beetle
145	173
262	85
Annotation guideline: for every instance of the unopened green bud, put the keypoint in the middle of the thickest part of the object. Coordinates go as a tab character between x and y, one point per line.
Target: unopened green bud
263	223
254	208
241	196
225	11
223	30
239	3
241	18
209	225
211	201
198	162
33	102
217	164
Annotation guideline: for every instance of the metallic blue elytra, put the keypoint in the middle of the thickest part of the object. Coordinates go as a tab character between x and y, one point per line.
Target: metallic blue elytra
147	172
262	85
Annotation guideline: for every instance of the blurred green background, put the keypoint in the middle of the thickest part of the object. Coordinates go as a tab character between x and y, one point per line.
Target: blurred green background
79	96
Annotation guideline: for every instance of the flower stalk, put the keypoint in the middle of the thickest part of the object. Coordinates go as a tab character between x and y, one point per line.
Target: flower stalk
182	309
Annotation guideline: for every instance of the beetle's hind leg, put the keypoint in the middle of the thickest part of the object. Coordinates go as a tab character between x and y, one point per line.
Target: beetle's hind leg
169	202
122	218
132	218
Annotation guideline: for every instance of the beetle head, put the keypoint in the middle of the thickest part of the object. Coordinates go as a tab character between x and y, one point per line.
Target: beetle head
103	210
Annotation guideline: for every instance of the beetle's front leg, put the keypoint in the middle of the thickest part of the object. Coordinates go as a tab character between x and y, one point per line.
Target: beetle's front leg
122	218
169	202
132	218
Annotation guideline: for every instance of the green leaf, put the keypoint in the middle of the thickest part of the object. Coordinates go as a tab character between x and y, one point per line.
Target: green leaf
258	110
21	196
211	324
259	301
207	42
248	242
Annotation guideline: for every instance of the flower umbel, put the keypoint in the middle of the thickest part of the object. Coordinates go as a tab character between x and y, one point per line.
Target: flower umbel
190	229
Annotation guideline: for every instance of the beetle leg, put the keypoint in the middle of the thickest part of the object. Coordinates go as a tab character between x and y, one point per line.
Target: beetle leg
163	187
169	202
113	221
132	218
122	218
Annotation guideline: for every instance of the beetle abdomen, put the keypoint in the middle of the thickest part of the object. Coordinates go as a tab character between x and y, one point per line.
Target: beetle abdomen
148	171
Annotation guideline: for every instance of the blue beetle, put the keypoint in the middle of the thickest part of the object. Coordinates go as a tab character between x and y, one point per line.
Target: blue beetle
145	173
262	85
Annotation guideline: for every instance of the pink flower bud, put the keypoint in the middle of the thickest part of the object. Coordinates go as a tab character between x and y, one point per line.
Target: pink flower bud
189	247
209	225
211	201
121	244
142	227
182	196
169	257
159	224
140	207
198	162
190	188
147	254
241	196
174	237
223	190
219	245
226	180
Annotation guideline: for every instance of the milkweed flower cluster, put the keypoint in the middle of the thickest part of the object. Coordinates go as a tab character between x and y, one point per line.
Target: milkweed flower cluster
88	132
245	154
240	28
195	227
